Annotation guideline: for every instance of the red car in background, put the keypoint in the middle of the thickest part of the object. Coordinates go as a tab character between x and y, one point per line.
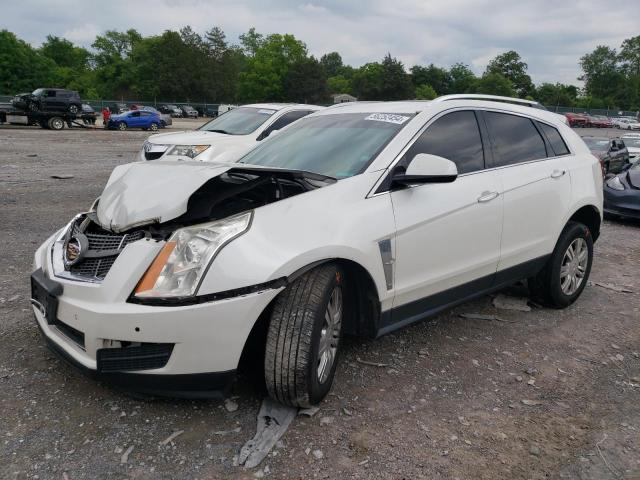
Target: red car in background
576	119
599	121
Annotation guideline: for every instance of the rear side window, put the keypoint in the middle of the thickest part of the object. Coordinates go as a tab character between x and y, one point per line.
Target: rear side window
285	120
456	137
555	139
516	139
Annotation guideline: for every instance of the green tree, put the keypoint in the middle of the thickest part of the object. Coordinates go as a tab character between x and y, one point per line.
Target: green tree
425	92
305	82
22	68
113	66
251	42
463	79
550	94
65	53
339	84
382	81
263	78
332	64
511	66
630	55
495	84
438	78
602	74
217	44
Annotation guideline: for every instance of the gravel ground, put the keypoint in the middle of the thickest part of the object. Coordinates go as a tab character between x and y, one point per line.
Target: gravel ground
540	394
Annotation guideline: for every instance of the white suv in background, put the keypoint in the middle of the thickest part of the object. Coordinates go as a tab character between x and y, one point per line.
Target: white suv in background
358	219
227	137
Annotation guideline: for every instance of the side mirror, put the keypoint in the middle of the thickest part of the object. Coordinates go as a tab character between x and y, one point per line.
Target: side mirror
267	133
426	168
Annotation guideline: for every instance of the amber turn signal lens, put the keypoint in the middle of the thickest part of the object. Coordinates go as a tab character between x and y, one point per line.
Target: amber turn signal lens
150	277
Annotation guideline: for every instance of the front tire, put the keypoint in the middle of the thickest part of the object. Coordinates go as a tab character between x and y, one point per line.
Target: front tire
304	335
73	109
153	127
122	126
56	123
566	273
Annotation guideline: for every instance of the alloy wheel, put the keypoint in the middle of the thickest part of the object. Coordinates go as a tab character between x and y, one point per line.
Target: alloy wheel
574	266
330	335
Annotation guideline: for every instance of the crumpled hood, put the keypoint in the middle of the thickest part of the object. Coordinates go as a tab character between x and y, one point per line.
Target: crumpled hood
151	192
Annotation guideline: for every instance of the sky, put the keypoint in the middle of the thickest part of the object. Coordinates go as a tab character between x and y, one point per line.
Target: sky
550	35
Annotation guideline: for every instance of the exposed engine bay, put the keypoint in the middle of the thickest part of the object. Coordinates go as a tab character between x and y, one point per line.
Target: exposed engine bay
232	192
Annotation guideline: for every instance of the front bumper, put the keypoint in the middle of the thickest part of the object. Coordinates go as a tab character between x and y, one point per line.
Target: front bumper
206	339
625	203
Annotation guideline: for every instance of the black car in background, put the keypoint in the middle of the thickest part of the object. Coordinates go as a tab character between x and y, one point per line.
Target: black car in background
88	114
622	193
208	111
189	112
49	99
172	110
118	108
612	153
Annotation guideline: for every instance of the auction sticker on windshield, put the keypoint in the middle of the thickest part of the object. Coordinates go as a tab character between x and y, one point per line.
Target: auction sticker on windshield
266	112
387	117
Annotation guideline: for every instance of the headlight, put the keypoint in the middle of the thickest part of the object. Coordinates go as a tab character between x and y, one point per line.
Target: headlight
615	184
191	151
179	267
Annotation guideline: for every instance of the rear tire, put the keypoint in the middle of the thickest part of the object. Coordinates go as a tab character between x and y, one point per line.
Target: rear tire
304	335
73	109
566	273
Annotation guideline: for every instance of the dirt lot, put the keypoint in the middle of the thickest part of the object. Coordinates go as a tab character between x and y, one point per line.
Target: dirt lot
540	394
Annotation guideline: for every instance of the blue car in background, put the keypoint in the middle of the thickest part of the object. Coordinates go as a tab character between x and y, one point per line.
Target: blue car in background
143	119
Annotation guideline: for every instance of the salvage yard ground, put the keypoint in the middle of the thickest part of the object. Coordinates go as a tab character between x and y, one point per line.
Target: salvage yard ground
537	394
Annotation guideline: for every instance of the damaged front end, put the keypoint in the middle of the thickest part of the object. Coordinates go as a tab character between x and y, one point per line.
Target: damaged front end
194	226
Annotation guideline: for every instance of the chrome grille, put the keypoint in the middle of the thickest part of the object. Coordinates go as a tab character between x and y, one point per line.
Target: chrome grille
100	240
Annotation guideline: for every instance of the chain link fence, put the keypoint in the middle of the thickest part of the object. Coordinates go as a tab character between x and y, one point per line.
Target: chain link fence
206	106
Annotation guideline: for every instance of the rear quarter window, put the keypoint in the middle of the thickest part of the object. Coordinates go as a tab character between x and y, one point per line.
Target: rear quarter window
515	138
555	139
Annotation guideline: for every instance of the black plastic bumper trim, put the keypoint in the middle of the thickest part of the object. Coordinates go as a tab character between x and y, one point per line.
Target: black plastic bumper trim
193	385
211	297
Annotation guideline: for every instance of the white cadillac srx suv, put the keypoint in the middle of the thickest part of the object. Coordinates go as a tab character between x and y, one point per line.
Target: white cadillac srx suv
358	219
227	137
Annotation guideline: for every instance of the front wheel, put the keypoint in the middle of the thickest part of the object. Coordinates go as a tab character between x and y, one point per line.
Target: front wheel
153	127
304	335
565	275
56	123
122	126
73	109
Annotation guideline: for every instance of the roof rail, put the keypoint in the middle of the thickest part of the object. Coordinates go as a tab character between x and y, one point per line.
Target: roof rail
489	98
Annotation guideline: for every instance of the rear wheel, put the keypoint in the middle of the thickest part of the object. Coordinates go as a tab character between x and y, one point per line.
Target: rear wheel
304	335
56	123
122	126
565	275
73	109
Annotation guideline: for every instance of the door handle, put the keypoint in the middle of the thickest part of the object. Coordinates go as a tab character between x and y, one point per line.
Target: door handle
558	173
487	196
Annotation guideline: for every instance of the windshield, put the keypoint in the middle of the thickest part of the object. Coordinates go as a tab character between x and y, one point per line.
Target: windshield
37	91
600	144
632	142
338	145
239	121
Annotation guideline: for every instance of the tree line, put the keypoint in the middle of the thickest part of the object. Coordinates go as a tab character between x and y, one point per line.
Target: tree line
186	66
